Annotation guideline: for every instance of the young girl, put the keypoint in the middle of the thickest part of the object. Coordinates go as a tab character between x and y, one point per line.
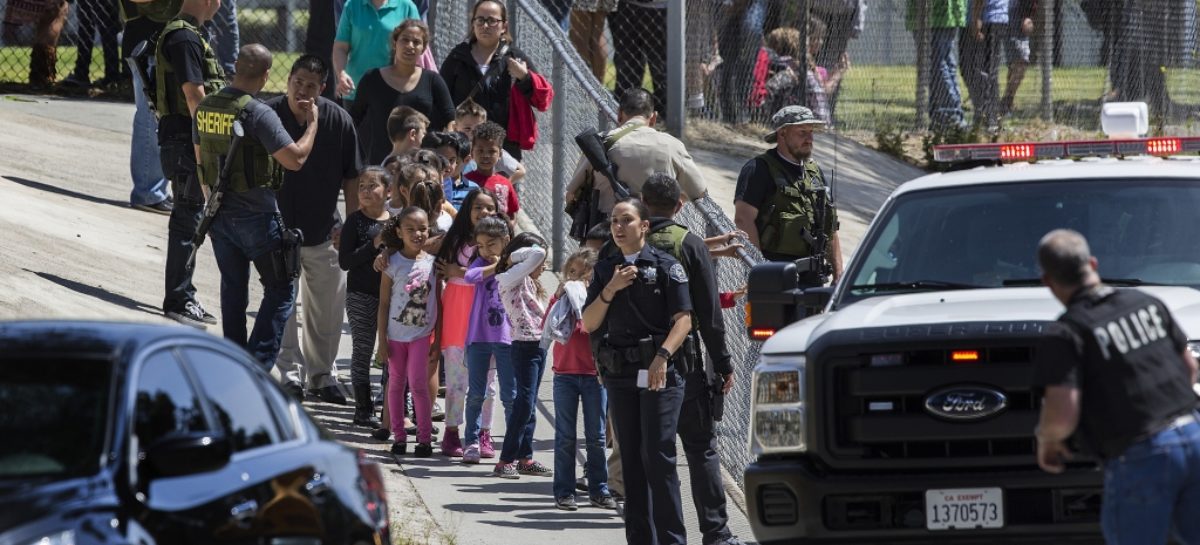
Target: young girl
429	196
488	336
361	240
575	381
456	253
518	270
407	313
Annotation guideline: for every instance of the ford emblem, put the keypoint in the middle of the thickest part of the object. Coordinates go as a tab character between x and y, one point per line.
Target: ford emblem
965	402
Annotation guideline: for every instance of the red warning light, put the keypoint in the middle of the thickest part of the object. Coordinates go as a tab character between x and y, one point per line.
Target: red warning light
1016	152
1163	146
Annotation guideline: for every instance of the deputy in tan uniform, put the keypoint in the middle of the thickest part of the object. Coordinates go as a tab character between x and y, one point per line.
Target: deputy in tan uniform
638	150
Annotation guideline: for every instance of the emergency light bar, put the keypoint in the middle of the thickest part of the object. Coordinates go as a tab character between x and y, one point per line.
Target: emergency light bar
1031	151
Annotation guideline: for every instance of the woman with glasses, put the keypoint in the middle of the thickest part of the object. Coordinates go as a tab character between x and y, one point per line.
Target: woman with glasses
486	66
363	40
401	83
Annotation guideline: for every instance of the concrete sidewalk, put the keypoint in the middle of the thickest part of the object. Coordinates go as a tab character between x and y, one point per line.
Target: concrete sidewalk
74	249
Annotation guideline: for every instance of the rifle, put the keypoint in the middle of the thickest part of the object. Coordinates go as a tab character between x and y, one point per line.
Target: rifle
213	205
818	261
591	143
139	66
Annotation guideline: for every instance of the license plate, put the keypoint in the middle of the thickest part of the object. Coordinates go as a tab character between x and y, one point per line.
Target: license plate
964	508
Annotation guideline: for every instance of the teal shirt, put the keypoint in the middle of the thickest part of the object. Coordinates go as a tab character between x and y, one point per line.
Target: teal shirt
942	14
369	31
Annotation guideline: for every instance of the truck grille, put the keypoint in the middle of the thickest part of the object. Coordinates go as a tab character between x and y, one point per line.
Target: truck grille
876	407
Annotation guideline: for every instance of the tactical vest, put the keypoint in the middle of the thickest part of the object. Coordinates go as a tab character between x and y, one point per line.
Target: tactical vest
669	239
792	210
169	96
214	122
159	11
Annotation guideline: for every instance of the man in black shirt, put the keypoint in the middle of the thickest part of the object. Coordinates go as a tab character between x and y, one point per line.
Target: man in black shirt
1116	367
186	71
308	201
697	428
781	201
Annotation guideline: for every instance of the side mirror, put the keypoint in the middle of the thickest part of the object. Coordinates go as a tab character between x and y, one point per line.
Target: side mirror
187	454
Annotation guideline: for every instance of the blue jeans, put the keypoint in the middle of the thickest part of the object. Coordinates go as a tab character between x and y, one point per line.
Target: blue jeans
945	101
239	239
149	184
225	25
479	357
569	391
528	366
1152	491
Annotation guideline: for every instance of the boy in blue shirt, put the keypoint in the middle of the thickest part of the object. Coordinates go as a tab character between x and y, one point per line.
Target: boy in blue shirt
455	148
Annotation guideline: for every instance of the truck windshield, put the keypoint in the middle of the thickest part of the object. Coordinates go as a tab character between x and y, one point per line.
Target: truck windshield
1142	231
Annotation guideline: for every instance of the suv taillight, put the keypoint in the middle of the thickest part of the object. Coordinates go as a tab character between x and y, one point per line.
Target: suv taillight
374	493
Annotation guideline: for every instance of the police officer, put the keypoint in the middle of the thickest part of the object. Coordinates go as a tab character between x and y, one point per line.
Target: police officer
638	312
781	200
248	227
186	70
662	196
1116	367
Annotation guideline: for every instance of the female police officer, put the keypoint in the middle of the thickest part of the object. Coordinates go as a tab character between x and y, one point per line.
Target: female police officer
637	312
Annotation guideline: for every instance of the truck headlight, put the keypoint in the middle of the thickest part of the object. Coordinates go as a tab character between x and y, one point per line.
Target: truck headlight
777	421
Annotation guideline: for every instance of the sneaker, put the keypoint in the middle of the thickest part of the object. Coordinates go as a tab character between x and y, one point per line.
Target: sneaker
471	454
399	448
506	471
191	314
295	390
438	414
163	207
566	504
423	450
604	502
581	485
381	434
535	468
486	450
451	444
205	316
74	80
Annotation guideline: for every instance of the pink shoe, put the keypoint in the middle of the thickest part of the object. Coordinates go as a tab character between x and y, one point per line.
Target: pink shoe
451	444
486	450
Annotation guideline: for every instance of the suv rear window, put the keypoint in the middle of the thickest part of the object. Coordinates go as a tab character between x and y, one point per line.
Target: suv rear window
53	416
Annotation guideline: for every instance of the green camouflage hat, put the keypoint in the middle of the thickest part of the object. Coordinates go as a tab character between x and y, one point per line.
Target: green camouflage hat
792	115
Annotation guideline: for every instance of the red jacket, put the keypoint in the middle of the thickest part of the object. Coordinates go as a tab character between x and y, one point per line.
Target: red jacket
522	125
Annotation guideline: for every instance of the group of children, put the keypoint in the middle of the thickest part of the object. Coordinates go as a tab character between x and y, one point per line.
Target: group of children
437	275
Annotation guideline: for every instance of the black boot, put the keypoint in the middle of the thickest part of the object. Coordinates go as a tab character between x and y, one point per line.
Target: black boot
364	407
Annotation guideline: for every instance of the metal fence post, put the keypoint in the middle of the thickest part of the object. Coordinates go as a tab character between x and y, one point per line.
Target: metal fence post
676	66
558	113
290	39
921	29
1046	60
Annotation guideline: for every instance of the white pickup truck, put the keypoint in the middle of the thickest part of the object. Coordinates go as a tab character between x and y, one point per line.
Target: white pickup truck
904	413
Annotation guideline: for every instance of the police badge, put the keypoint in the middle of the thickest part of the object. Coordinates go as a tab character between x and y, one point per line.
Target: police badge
651	275
677	273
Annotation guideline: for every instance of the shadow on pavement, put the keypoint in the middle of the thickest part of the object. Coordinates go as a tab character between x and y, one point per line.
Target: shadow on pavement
98	292
42	186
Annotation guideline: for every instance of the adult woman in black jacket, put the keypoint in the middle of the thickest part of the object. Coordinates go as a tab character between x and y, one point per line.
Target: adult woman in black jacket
402	83
485	66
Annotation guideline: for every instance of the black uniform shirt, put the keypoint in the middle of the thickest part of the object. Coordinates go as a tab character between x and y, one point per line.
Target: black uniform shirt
702	286
658	293
185	52
262	124
1123	350
309	196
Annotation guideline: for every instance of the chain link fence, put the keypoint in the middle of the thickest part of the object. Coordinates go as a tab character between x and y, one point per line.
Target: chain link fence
1021	69
81	44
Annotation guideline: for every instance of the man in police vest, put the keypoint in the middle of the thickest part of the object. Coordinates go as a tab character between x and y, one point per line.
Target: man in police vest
1116	367
781	200
663	197
186	70
248	228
